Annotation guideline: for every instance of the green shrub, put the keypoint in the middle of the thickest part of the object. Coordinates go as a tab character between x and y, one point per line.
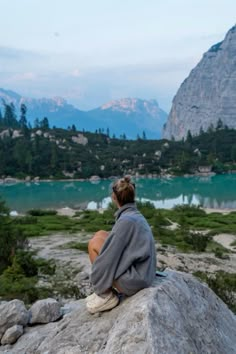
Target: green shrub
44	266
223	284
11	237
218	253
26	263
197	241
14	285
82	246
41	212
190	210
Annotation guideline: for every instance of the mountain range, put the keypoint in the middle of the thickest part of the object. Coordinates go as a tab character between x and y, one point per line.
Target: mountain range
129	116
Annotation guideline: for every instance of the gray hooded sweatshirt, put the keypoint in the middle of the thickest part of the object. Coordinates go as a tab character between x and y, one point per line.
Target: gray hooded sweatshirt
128	255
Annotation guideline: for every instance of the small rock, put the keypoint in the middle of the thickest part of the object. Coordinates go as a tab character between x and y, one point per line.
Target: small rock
45	311
12	334
12	313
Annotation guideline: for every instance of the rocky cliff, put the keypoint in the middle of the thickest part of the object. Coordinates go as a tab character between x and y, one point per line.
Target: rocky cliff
208	94
177	315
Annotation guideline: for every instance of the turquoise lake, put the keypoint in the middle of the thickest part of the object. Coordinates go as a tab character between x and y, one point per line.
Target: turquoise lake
210	192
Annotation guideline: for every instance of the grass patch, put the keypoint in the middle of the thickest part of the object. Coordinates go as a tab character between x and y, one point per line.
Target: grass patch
47	224
189	218
82	246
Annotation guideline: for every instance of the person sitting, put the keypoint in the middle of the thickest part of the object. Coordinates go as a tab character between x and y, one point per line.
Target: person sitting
125	258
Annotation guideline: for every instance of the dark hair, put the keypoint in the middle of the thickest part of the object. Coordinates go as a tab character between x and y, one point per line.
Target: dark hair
124	190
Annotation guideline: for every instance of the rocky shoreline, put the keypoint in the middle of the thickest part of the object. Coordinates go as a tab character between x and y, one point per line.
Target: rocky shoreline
95	178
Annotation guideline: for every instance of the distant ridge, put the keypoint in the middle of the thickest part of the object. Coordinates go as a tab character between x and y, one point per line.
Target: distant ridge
129	116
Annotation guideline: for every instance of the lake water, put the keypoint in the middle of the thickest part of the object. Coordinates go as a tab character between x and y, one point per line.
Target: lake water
211	192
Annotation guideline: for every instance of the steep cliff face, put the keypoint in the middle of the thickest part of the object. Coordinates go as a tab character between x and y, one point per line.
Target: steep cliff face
208	94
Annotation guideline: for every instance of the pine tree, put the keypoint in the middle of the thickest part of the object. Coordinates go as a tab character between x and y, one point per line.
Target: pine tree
23	121
189	138
44	123
11	238
1	119
9	119
219	124
36	123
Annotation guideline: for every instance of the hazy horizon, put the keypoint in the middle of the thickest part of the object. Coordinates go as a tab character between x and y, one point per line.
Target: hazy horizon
90	53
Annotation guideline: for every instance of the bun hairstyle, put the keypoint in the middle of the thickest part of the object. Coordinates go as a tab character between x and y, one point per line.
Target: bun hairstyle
124	190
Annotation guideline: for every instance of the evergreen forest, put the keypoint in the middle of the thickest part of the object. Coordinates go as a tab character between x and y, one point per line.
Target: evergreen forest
55	153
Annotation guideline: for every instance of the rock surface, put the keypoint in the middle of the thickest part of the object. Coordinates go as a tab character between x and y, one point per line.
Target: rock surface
12	334
12	313
208	94
45	311
177	315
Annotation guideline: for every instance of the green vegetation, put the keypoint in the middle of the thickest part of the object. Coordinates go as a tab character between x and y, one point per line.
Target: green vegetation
82	246
20	269
57	153
223	284
46	223
11	237
19	279
187	236
41	212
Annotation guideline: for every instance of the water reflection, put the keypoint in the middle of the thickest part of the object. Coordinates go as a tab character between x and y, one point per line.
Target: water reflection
211	192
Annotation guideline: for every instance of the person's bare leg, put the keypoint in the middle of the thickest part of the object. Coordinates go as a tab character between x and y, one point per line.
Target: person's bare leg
94	247
96	243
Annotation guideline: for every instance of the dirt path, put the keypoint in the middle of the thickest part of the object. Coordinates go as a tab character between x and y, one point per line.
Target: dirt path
225	240
50	247
72	266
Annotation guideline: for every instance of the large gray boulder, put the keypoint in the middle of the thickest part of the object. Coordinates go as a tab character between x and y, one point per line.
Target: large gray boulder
45	311
207	94
12	313
177	315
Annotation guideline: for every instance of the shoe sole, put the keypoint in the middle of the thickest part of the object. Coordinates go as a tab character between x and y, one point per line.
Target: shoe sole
107	306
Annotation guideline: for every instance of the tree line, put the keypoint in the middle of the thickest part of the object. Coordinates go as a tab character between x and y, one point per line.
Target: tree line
53	152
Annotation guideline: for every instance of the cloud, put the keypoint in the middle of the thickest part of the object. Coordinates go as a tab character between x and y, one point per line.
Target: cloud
16	54
94	86
76	73
25	76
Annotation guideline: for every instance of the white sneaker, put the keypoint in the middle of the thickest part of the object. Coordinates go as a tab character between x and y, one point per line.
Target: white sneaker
90	297
99	304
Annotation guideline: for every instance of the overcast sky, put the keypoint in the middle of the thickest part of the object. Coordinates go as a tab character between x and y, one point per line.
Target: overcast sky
92	51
